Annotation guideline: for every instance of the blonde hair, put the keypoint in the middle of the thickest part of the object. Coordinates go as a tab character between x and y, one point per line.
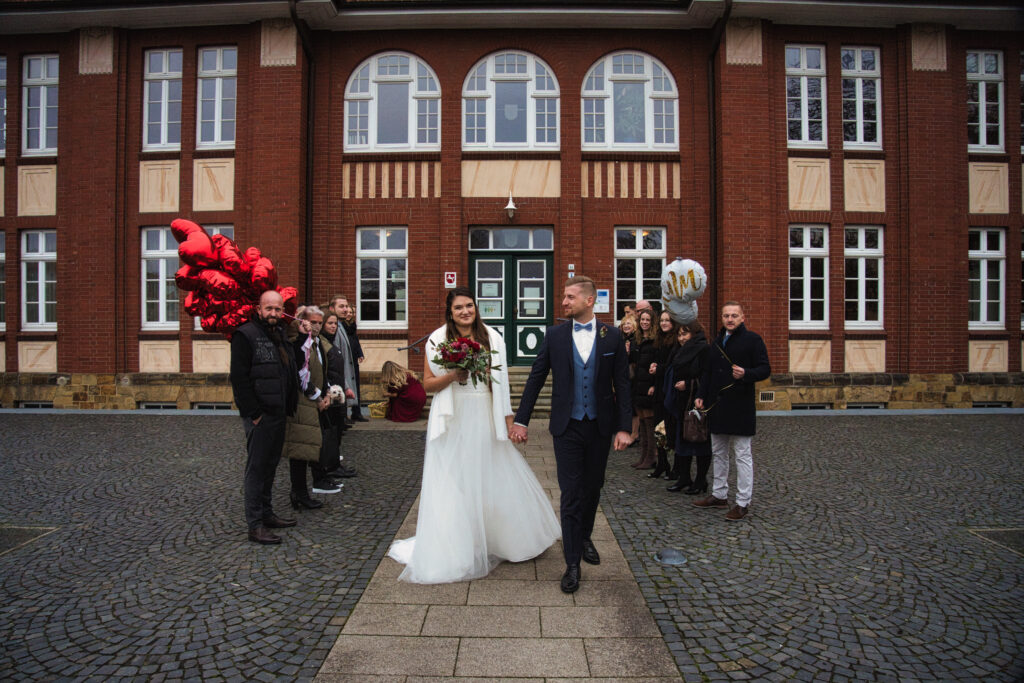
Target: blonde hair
631	319
393	376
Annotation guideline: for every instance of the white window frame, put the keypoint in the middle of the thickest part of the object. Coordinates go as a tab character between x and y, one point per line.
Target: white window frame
362	103
808	255
984	255
166	257
983	79
479	90
598	110
861	254
638	254
861	76
3	107
164	79
3	281
36	260
805	75
46	86
219	76
382	255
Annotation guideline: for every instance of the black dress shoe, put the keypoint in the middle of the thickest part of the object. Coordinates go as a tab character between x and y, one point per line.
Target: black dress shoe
590	555
678	486
263	536
275	522
571	578
342	472
696	488
305	502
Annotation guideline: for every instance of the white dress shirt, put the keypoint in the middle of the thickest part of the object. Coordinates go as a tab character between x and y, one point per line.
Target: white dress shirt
584	339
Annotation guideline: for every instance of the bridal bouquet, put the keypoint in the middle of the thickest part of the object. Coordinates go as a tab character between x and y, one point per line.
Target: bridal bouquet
466	354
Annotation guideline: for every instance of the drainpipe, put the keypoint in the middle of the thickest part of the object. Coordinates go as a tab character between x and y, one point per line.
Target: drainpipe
307	49
716	39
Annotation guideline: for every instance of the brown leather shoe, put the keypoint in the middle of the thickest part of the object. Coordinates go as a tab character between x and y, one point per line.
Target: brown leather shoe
263	536
736	513
711	502
275	522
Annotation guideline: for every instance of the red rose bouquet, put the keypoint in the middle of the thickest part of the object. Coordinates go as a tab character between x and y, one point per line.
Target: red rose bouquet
466	354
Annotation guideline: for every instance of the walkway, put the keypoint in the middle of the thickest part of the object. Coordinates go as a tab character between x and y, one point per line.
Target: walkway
515	623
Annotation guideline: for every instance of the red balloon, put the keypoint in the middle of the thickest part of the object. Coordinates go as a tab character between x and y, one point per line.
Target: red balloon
264	275
209	322
219	283
229	256
252	256
291	299
195	304
187	278
197	250
182	228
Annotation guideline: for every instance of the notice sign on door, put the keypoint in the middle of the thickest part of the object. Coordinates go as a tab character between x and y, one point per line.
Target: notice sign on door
449	279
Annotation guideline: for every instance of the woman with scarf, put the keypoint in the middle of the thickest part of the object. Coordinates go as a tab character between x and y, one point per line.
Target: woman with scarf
688	366
665	346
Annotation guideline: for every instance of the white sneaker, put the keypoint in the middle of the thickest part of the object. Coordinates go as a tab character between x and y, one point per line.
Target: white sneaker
326	487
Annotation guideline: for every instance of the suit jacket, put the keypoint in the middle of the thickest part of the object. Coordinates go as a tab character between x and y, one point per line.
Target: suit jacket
614	404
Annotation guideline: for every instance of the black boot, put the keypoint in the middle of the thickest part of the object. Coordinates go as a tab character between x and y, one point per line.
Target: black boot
305	501
662	466
697	487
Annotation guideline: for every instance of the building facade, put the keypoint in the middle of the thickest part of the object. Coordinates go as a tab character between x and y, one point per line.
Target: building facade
851	172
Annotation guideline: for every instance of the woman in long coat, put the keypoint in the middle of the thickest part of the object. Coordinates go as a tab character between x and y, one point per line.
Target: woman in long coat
689	364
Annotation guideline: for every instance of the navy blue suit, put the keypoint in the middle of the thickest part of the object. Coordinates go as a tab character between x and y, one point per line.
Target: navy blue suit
581	446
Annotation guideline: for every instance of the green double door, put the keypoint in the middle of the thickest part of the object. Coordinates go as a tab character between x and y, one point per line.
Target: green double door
513	293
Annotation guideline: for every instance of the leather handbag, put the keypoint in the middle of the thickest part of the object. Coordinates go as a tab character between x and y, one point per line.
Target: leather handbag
695	427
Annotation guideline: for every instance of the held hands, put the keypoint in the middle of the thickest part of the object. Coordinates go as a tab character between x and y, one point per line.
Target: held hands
622	440
738	372
698	403
518	433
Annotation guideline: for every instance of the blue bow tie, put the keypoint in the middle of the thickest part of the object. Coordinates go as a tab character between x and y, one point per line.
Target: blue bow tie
577	327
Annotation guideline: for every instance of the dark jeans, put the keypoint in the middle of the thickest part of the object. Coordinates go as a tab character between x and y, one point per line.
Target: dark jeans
263	442
581	454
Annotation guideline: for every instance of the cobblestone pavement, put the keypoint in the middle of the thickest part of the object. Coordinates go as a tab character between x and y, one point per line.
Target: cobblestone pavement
858	561
149	575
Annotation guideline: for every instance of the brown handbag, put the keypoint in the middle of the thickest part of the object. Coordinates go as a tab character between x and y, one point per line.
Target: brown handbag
695	426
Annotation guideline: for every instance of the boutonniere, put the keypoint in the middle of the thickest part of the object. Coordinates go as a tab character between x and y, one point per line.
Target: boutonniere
603	332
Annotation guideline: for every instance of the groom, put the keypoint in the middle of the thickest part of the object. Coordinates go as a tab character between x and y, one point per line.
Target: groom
590	401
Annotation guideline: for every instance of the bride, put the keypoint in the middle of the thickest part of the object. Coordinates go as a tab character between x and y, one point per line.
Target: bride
480	502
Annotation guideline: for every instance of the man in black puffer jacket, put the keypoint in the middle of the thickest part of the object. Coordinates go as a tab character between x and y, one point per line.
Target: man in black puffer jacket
264	378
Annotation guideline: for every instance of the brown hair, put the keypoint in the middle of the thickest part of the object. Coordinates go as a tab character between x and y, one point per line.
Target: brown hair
588	286
479	331
737	304
692	327
662	338
649	333
335	298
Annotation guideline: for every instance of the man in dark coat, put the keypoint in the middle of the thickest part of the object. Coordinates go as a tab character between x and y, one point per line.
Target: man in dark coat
590	405
738	360
264	379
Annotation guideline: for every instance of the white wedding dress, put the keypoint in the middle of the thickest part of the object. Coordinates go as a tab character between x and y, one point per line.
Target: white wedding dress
480	502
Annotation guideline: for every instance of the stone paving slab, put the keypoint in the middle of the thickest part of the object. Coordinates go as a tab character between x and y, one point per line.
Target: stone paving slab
859	560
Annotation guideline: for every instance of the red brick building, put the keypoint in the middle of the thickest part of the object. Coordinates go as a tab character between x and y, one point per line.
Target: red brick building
850	171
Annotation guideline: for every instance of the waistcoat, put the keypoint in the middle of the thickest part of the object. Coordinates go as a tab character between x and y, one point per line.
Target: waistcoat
584	400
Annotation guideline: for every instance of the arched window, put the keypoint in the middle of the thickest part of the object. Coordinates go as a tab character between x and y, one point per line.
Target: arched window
510	101
630	102
392	103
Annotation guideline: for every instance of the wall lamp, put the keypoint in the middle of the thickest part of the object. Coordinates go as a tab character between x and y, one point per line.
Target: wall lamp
510	208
